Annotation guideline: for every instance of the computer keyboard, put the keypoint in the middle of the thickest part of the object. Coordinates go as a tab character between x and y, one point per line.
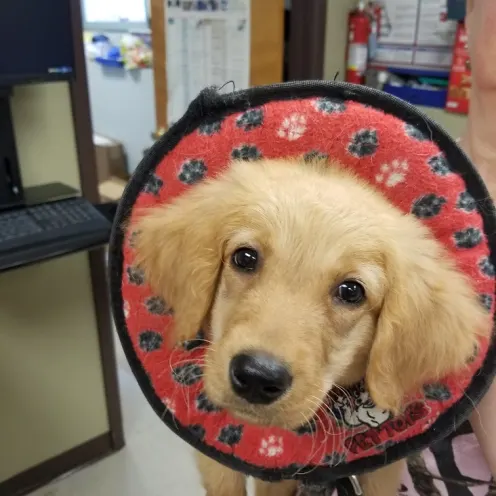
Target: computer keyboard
54	225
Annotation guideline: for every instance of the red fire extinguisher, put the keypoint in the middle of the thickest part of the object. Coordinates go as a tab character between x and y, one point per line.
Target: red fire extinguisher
359	27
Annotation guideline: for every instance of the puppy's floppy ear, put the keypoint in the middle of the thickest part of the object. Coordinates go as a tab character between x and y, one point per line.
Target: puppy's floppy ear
179	247
429	324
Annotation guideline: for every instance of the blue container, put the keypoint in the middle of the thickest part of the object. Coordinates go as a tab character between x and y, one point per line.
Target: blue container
109	62
456	9
418	96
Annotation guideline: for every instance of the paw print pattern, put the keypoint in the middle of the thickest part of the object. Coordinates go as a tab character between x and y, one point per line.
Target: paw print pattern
132	239
468	238
361	143
187	374
230	434
210	128
271	447
246	152
466	202
486	301
330	105
198	431
203	404
474	355
314	156
334	459
437	392
157	306
428	206
392	174
169	405
364	143
487	268
196	342
192	171
250	119
293	127
415	133
309	427
439	165
153	185
126	308
135	276
150	341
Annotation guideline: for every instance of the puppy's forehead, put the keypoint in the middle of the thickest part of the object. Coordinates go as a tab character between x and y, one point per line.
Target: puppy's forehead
315	243
316	217
310	213
278	191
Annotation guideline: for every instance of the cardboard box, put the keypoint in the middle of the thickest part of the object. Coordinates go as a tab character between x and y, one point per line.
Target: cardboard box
460	82
110	158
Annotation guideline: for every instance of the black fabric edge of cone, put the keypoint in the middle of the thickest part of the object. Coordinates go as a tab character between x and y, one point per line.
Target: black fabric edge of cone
211	105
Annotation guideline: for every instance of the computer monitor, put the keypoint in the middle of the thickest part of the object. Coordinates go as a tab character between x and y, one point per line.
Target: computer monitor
11	190
37	45
36	40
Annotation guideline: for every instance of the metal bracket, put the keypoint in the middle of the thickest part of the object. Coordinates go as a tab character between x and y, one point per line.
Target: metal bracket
356	485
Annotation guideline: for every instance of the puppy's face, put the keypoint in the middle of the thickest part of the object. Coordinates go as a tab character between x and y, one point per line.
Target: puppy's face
306	279
297	302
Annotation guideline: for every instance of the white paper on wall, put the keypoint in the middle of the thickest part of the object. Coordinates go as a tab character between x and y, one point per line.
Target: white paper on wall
416	33
207	43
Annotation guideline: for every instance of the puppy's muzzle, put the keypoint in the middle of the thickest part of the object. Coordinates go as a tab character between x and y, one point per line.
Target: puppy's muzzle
259	378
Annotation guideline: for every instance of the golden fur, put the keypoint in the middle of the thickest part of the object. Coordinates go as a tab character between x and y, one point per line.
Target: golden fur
314	226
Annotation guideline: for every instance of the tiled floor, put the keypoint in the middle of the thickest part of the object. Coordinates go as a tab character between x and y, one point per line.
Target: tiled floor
154	462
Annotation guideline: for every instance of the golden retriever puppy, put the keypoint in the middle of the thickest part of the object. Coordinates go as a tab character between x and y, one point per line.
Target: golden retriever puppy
305	278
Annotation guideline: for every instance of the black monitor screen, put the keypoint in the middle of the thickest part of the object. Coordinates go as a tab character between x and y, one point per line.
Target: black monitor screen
36	41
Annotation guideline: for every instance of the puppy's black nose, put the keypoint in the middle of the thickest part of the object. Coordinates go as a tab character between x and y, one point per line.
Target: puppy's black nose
259	378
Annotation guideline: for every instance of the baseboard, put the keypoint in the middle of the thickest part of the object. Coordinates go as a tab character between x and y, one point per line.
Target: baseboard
53	468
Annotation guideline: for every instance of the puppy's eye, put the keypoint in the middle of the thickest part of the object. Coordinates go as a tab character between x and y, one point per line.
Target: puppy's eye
350	292
245	259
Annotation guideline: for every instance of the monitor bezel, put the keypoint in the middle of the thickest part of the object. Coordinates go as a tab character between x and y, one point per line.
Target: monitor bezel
10	80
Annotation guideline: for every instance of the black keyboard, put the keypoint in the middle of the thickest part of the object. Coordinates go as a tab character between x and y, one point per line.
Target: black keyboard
49	229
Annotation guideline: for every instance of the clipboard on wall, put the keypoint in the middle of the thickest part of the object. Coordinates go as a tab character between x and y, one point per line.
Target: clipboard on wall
264	53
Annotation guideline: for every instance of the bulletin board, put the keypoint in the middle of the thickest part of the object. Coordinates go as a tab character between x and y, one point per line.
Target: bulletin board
265	51
415	34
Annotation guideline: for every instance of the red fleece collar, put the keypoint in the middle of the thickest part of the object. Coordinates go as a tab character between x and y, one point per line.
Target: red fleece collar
413	173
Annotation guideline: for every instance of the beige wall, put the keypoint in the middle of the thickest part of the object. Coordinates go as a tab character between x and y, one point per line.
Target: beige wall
336	33
454	124
51	384
334	60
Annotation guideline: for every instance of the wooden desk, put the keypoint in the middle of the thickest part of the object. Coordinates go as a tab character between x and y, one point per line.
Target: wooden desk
59	400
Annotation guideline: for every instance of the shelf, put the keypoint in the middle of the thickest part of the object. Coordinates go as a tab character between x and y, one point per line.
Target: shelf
417	71
34	253
419	96
104	62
